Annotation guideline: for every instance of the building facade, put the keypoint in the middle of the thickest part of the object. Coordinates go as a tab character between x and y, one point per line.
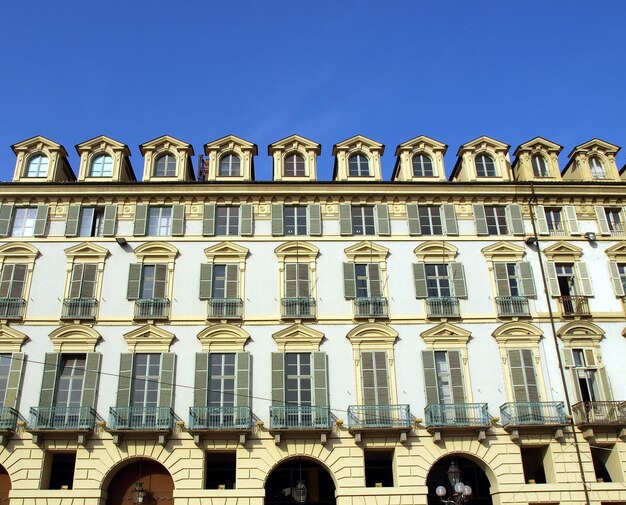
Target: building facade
203	337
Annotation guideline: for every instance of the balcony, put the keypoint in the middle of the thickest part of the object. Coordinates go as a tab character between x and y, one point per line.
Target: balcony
366	417
141	418
224	308
512	306
12	308
533	414
79	308
152	308
62	419
457	416
300	417
574	306
220	418
298	308
370	307
8	419
599	413
443	306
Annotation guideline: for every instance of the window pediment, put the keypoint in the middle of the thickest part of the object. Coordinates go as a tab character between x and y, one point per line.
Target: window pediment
503	251
445	336
517	333
435	251
223	338
617	252
21	251
74	338
87	250
580	334
435	150
537	147
164	145
11	340
366	252
372	336
156	250
149	338
563	251
298	337
226	251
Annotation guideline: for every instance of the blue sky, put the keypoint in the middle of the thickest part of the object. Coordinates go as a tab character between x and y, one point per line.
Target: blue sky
327	70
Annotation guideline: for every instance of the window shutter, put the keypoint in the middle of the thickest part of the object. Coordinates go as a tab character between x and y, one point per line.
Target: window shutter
303	287
201	380
315	219
583	279
242	398
618	286
430	378
572	221
134	281
480	219
110	217
419	275
320	379
603	224
278	379
349	281
605	385
515	219
52	362
160	281
458	280
41	221
277	219
412	212
206	281
382	378
71	223
291	282
531	377
208	220
590	358
14	382
246	220
502	279
91	378
374	379
456	376
542	222
141	220
374	280
382	218
553	283
232	280
518	381
568	358
576	385
526	279
6	211
125	379
76	280
19	280
178	220
166	377
345	219
449	218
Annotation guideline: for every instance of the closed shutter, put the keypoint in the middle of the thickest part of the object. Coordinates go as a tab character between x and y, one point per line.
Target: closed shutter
125	380
349	281
553	282
208	220
134	281
76	280
382	218
456	376
278	379
315	219
232	280
458	280
603	224
52	363
531	376
160	281
277	219
242	398
568	358
206	281
412	212
430	378
14	382
166	379
83	282
178	220
515	219
502	279
542	222
419	276
449	218
246	220
375	284
201	380
523	378
320	379
91	379
616	279
374	378
12	280
345	219
572	220
71	223
605	385
291	280
590	358
41	221
141	220
583	280
480	219
6	211
110	218
526	279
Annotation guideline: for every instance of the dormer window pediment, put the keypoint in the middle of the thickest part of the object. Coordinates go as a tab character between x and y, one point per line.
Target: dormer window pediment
103	159
482	159
229	158
295	158
593	161
358	159
420	159
41	160
167	159
538	160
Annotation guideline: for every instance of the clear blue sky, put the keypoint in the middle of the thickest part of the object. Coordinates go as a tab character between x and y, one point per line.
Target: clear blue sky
391	70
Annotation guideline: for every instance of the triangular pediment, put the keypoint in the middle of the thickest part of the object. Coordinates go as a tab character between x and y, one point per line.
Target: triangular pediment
36	143
419	143
483	142
223	338
538	143
166	142
11	340
356	141
298	337
503	250
445	334
595	144
366	249
102	142
226	249
562	250
87	249
294	142
616	252
149	338
517	331
23	250
228	142
74	338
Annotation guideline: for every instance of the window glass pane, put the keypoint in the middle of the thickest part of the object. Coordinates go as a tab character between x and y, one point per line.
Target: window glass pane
165	166
294	220
597	169
146	378
496	220
430	220
70	381
294	165
485	166
358	165
159	221
101	166
5	368
24	222
363	220
437	281
540	166
614	220
91	222
230	166
422	166
37	166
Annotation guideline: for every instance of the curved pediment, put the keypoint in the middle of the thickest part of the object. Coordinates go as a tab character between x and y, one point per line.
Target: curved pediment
372	336
580	332
446	335
156	250
223	338
19	250
149	338
298	337
297	249
74	338
517	332
436	250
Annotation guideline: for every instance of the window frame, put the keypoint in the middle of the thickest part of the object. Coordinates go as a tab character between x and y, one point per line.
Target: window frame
27	218
39	157
426	215
228	219
597	168
169	167
361	166
230	169
107	162
158	223
422	169
496	224
294	165
484	164
363	219
540	170
296	219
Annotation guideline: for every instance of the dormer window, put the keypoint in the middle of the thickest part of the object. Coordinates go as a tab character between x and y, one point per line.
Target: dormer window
101	166
540	166
230	166
597	168
359	166
165	166
37	166
422	166
294	166
485	166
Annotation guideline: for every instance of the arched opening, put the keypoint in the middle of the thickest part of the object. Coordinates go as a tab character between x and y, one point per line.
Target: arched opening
5	486
154	479
282	481
471	475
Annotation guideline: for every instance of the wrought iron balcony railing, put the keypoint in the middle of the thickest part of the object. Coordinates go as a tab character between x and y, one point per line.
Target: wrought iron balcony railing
379	416
443	306
599	413
224	308
62	418
12	308
300	307
457	415
533	414
512	306
300	417
370	307
8	419
79	308
152	308
220	418
141	418
574	305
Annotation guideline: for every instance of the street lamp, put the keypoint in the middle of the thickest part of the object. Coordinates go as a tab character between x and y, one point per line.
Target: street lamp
461	492
299	492
138	493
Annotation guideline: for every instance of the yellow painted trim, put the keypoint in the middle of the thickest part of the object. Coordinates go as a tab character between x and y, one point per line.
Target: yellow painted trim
223	338
298	337
74	338
11	340
149	338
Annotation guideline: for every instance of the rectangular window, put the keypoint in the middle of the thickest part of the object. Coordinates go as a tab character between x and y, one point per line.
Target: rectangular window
554	219
378	468
532	464
297	280
226	220
496	220
621	268
24	219
70	382
437	281
91	222
146	376
225	281
363	220
13	280
444	384
585	376
298	378
159	221
367	276
5	370
294	220
222	379
374	378
430	220
83	281
566	279
59	470
614	221
220	470
153	282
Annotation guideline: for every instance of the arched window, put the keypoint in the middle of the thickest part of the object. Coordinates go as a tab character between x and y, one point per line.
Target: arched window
359	165
422	166
101	166
597	168
294	165
485	166
165	166
540	166
230	166
37	166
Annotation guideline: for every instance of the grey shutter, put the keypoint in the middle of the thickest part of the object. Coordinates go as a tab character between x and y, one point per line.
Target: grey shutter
382	378
480	219
430	378
206	281
412	212
603	224
605	385
419	276
553	282
542	222
208	220
349	281
71	223
456	376
246	220
315	219
518	381
382	218
345	219
278	379
125	379
141	220
91	379
616	279
526	279
52	362
6	211
201	380
160	281
531	377
76	280
242	398
458	280
291	280
572	220
14	382
502	279
583	279
449	218
41	221
134	281
178	220
277	219
374	378
375	284
568	358
232	280
166	378
320	379
590	358
110	217
515	219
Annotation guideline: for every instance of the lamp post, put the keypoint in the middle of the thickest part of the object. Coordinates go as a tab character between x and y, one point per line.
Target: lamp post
460	492
138	493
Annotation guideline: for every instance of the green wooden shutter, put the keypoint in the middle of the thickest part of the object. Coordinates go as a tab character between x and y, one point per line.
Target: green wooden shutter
419	276
90	276
125	379
278	379
76	280
382	218
412	212
166	378
232	280
349	281
531	378
382	378
246	220
6	211
616	279
590	358
449	218
91	379
526	279
456	376
71	223
41	221
374	378
141	220
542	222
458	279
502	279
320	379
134	281
568	358
345	219
208	220
178	220
583	279
480	218
553	282
201	380
206	281
430	378
516	222
110	218
518	381
572	220
605	385
277	219
242	398
375	284
291	280
603	224
14	382
315	219
52	363
160	281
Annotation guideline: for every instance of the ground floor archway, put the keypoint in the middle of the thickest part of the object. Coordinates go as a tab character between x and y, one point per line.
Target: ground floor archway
154	478
320	488
5	486
471	475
